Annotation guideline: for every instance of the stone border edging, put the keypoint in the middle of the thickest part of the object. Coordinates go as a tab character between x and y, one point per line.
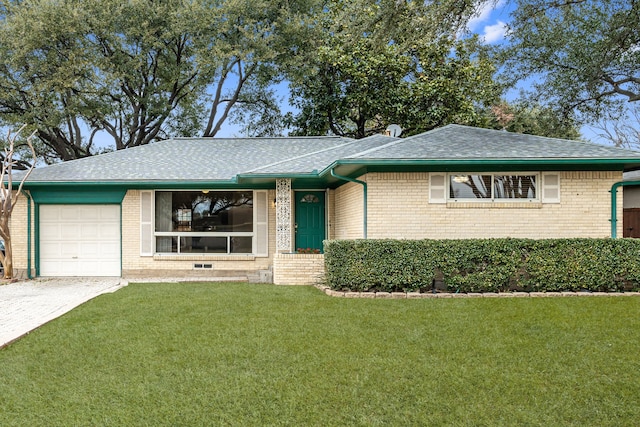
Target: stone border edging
419	295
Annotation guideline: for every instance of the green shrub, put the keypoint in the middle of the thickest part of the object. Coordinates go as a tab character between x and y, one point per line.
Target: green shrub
484	265
380	265
479	265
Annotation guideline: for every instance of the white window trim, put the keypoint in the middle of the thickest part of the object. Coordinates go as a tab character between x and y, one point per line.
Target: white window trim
256	252
493	199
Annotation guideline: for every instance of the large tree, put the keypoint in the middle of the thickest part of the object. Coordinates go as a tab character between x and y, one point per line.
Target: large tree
583	54
138	71
372	63
529	118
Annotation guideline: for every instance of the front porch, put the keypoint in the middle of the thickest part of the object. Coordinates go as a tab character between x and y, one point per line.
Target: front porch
289	267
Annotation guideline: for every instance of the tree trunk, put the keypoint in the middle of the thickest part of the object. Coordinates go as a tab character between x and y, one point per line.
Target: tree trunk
8	260
9	196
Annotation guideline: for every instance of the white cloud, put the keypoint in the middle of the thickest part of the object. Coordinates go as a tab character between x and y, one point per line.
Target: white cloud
484	13
494	33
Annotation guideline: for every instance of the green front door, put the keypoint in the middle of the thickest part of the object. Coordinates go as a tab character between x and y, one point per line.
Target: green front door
310	219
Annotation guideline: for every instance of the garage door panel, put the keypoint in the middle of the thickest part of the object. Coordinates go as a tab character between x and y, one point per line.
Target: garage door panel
48	250
96	250
67	213
112	214
109	231
59	268
98	268
90	250
89	231
67	231
89	214
69	250
108	266
49	215
110	247
80	240
58	250
48	234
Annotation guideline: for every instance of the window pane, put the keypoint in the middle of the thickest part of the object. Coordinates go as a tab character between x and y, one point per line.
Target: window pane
163	211
309	198
223	211
514	186
203	245
218	211
166	244
470	187
241	245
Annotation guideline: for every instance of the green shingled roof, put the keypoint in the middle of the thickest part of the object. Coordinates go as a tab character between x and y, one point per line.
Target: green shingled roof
313	162
464	142
191	159
253	159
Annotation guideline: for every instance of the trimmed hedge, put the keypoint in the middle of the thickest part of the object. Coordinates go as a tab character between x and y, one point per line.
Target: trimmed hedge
483	265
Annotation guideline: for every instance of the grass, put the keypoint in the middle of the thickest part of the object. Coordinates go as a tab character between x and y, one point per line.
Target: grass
238	354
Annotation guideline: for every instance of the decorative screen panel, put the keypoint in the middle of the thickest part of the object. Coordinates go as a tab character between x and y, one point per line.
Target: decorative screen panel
283	214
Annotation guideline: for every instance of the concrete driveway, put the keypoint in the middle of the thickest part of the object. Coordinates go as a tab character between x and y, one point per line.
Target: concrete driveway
27	305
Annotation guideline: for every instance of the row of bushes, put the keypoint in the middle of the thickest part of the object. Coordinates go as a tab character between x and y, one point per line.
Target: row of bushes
483	265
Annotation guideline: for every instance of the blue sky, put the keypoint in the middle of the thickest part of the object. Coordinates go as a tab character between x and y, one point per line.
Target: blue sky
490	21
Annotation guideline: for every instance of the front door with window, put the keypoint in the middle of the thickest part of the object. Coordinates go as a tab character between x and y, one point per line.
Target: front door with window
310	219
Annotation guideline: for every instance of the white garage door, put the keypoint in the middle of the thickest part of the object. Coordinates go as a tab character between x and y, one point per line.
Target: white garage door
79	240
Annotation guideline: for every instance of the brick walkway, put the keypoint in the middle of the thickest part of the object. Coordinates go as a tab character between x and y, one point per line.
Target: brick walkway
25	306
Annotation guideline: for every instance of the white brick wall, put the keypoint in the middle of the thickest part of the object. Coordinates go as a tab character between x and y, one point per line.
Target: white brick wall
349	208
19	226
399	208
298	269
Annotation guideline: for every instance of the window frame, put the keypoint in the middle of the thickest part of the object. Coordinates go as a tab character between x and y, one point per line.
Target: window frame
227	234
538	182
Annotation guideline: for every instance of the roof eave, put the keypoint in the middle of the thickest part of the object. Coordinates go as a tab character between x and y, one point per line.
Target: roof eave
355	167
134	184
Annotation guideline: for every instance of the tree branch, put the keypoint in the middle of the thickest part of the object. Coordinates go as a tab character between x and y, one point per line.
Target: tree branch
216	99
621	91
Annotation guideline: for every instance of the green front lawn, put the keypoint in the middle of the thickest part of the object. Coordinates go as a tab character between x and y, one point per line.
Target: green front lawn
238	354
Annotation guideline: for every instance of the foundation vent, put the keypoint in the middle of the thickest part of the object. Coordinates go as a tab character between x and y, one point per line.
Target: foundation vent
199	266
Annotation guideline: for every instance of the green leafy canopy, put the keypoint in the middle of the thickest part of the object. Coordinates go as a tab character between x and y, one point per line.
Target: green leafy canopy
370	64
586	53
138	71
